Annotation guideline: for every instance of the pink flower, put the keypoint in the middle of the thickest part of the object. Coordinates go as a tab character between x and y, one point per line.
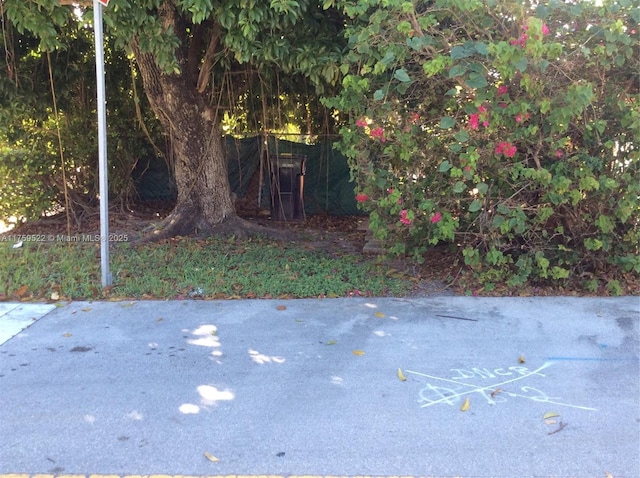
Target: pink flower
506	148
545	29
436	217
378	132
403	217
362	122
390	191
502	90
559	153
522	41
413	118
519	118
361	197
474	120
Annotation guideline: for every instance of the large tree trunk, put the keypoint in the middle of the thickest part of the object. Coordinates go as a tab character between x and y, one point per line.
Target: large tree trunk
204	195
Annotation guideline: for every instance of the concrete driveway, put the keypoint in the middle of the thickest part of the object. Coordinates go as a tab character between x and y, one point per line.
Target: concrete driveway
441	386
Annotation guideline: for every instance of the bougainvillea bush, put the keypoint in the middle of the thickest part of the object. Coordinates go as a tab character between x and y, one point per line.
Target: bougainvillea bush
508	129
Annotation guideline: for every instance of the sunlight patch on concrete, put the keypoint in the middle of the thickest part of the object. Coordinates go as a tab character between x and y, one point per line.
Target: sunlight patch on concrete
261	359
210	395
135	415
207	336
189	408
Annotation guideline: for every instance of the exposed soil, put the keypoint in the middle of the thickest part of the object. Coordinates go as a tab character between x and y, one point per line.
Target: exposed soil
327	233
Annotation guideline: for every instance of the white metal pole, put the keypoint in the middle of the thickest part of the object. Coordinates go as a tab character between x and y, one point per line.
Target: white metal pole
102	145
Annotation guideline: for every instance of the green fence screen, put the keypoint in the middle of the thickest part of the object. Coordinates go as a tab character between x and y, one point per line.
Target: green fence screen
327	189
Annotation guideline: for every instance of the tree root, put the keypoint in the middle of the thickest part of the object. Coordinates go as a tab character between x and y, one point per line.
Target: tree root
180	224
242	229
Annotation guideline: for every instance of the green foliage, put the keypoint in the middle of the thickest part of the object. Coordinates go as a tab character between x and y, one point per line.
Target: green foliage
212	268
34	169
512	131
47	17
27	191
294	36
272	37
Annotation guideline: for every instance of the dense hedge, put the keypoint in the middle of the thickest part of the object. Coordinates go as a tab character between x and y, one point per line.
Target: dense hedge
509	128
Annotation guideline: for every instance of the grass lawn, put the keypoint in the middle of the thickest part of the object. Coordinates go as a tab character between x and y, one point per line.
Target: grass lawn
211	268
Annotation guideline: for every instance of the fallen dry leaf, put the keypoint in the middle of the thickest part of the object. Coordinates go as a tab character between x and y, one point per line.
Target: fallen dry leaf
128	304
358	352
55	296
521	359
282	307
401	375
550	415
465	405
22	292
331	342
210	457
379	314
496	392
86	309
66	335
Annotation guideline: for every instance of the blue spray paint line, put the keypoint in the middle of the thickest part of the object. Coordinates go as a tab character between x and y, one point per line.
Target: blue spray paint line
592	359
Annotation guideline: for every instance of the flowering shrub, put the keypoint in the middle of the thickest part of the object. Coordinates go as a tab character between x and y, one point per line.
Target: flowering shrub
506	148
510	130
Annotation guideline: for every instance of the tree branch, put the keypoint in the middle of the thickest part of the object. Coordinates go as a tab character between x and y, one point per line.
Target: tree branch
207	65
